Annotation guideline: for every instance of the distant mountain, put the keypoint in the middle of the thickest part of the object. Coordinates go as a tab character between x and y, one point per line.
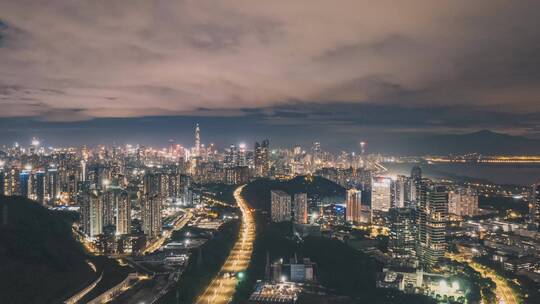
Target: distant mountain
484	142
40	260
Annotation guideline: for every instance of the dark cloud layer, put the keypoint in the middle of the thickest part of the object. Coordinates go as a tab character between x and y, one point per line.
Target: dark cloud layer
414	65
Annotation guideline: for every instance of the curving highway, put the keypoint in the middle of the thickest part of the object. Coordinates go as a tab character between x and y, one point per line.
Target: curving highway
223	286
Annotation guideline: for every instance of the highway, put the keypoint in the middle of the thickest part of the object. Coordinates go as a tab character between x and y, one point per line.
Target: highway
221	289
180	221
504	293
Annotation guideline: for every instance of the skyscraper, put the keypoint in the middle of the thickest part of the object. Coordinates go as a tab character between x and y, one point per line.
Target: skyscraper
197	151
52	190
280	206
401	243
402	192
432	217
534	205
416	179
151	205
38	187
381	193
123	213
300	208
353	206
262	165
25	183
92	211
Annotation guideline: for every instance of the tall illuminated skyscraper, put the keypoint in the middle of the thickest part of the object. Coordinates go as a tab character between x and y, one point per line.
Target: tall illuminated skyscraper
25	183
416	179
262	165
401	243
38	187
52	186
197	141
534	206
432	217
92	211
151	205
353	206
402	192
123	213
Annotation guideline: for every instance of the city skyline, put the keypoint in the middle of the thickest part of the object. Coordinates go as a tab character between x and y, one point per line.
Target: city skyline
268	152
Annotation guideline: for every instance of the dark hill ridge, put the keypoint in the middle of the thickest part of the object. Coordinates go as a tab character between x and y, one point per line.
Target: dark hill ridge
257	192
484	142
40	260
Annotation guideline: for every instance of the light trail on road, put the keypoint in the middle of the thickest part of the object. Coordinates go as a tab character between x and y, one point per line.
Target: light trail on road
504	293
222	288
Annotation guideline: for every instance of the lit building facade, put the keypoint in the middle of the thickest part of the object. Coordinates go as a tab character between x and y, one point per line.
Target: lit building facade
280	206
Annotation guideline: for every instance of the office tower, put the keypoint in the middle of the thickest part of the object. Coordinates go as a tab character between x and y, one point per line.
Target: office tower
262	164
25	183
92	211
110	197
416	178
300	208
83	171
123	213
197	151
231	157
39	185
432	216
534	205
280	206
151	205
381	193
52	191
353	206
463	202
401	243
242	155
402	192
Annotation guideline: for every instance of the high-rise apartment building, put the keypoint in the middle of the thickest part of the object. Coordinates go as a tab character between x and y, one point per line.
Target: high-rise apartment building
300	208
353	209
463	202
151	205
92	211
123	213
262	165
534	205
280	206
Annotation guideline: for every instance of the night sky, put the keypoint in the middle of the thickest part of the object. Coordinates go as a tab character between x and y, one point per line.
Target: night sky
75	72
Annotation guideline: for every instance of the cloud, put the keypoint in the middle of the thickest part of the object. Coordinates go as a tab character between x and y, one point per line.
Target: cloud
71	60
